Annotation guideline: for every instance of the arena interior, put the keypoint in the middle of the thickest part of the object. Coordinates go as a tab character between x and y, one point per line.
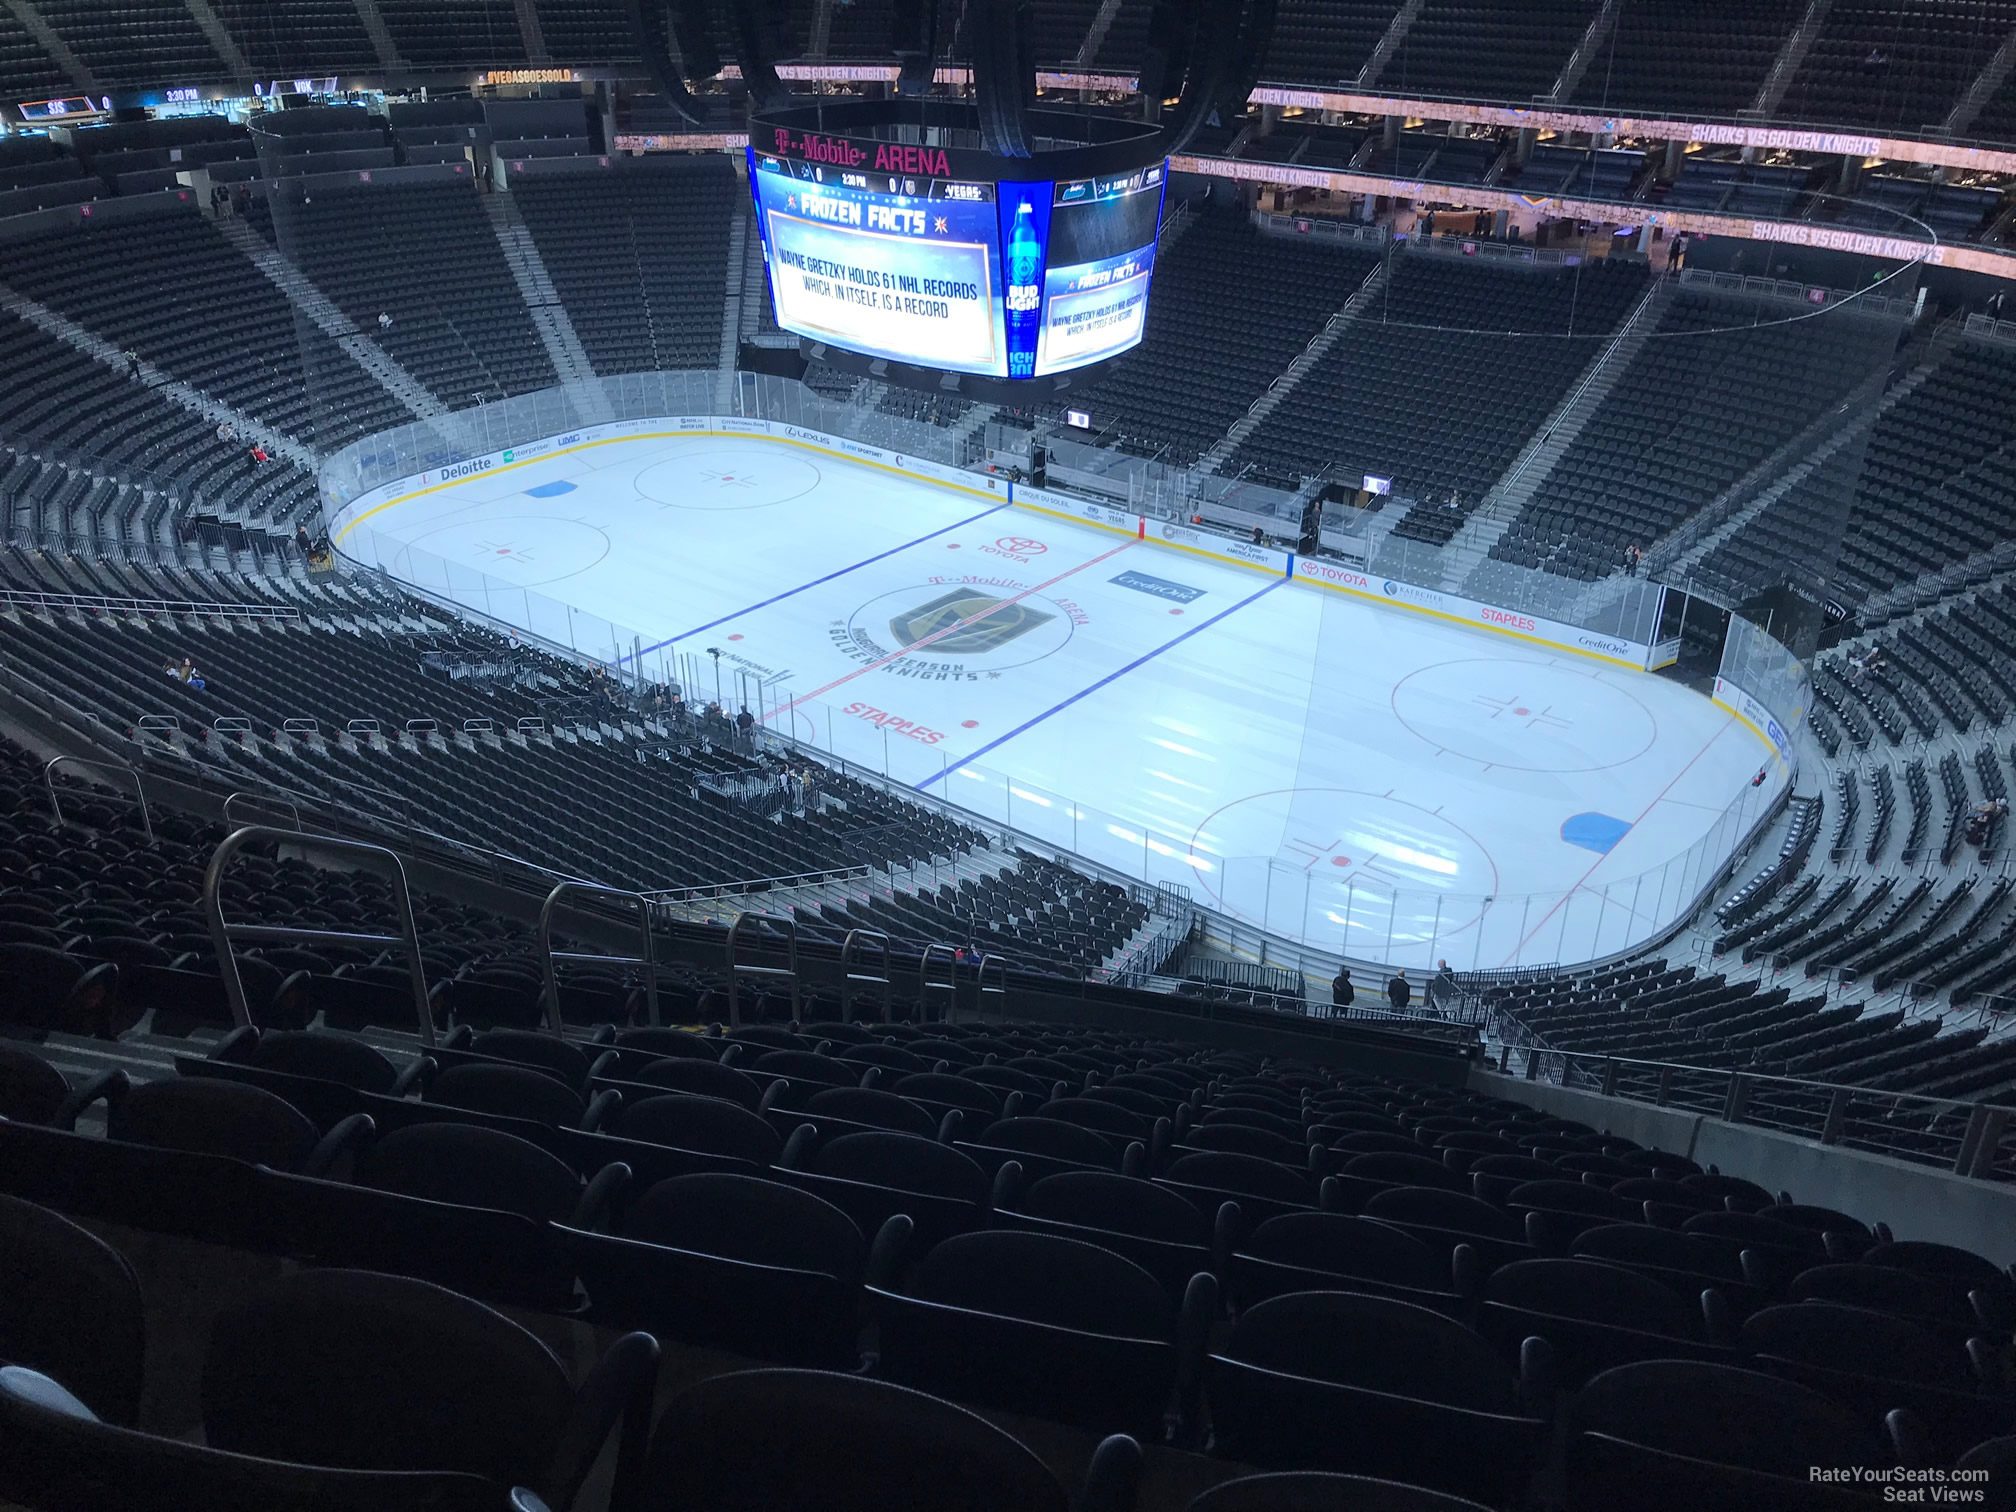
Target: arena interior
1308	814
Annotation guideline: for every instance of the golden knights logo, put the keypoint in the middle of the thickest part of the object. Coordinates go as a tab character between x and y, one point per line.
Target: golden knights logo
965	622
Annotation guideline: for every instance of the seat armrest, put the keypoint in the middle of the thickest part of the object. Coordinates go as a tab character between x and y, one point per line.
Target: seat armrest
112	1086
617	1392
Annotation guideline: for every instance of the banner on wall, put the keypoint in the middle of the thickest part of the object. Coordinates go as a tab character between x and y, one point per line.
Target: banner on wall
1754	714
1343	579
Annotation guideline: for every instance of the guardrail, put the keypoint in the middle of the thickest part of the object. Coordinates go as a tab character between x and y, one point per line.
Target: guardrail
1966	1138
97	604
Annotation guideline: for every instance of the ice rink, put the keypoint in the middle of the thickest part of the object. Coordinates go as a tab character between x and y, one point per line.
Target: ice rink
1352	774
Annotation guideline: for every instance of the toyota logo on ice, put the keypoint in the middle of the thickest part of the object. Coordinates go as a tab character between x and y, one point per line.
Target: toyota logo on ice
1016	548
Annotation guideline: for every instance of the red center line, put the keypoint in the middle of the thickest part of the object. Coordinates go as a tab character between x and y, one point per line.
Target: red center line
1606	855
919	645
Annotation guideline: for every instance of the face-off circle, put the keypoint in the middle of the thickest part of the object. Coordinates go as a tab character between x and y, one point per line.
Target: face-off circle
727	479
1525	716
524	551
977	624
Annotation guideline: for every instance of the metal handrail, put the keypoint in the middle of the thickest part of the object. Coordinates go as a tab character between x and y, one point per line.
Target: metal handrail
647	958
999	991
701	891
1740	1090
738	969
925	986
104	604
848	974
223	934
139	792
262	798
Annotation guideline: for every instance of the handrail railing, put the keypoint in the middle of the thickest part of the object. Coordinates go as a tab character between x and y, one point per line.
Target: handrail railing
647	956
998	964
1963	1136
99	603
702	891
269	801
223	934
139	792
850	975
937	950
738	968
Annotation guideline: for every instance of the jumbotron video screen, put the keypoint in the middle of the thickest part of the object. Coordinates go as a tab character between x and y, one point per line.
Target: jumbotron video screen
1004	279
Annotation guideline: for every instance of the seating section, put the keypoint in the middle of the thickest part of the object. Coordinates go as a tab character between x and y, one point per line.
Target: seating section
137	42
425	255
639	256
96	457
1487	49
1440	380
1882	63
1241	1264
1232	307
25	65
171	288
1680	55
1326	41
1709	396
450	33
322	37
1937	474
587	31
1060	28
1650	1013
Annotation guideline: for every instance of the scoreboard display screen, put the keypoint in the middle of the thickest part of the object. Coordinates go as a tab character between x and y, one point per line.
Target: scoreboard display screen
1001	279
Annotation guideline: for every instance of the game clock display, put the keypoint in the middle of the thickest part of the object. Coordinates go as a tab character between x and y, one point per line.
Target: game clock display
1005	279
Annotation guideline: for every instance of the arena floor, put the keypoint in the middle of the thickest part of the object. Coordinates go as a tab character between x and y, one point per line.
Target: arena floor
1347	773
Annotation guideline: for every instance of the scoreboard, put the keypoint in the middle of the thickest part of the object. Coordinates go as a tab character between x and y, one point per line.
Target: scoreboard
891	255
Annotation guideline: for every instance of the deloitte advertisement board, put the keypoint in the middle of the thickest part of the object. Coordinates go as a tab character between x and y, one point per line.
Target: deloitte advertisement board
998	278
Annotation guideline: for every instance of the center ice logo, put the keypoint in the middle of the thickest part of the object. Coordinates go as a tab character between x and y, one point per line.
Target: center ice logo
965	622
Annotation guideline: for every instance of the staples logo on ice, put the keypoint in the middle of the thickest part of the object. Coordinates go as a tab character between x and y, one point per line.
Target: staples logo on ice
894	723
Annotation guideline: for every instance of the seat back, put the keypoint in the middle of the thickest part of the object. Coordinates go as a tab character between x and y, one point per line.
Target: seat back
1317	1491
1344	1246
1121	1204
510	1092
750	1219
1857	1341
704	1077
904	1162
210	1116
528	1047
883	1110
70	1307
1055	1138
31	1090
371	1372
819	1442
1596	1293
1042	1278
60	1454
701	1123
472	1166
1377	1344
325	1057
1724	1415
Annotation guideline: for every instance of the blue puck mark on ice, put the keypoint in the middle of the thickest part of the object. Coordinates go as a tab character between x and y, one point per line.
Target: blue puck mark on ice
1596	832
550	490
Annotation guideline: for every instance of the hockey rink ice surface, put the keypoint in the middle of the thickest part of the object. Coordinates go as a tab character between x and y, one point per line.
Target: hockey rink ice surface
1347	773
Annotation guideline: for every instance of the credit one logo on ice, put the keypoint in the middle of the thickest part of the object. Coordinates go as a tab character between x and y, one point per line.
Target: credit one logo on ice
1161	588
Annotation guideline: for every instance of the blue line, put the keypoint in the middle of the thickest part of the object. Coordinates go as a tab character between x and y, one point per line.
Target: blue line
788	592
1087	692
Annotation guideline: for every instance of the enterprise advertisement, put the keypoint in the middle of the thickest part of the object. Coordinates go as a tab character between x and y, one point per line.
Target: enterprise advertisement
891	266
1101	254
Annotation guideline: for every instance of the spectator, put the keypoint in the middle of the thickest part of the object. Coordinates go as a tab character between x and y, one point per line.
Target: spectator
384	321
1632	557
1259	536
1399	992
132	364
259	453
227	433
241	200
1442	991
744	723
187	673
1870	659
1342	993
